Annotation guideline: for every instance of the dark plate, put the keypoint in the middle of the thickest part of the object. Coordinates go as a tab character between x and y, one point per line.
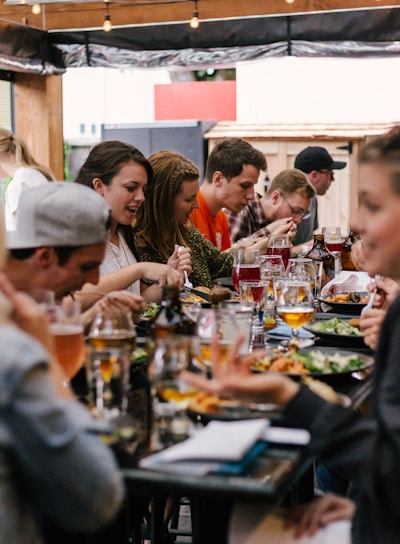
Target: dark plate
224	282
340	340
353	308
336	376
232	411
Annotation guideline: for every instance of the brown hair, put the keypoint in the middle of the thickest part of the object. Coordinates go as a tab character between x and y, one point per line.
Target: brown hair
12	144
230	155
290	181
155	224
385	150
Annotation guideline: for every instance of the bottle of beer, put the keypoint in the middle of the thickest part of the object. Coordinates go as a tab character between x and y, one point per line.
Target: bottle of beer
347	261
171	319
324	261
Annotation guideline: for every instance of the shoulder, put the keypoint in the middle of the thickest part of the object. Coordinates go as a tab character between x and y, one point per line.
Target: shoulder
29	176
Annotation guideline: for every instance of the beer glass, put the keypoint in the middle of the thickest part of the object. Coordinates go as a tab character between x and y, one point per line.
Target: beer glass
67	329
295	306
246	266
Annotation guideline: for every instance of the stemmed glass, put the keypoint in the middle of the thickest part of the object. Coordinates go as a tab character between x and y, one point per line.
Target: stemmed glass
295	306
112	338
279	244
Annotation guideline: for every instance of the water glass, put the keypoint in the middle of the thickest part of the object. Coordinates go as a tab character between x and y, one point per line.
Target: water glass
235	319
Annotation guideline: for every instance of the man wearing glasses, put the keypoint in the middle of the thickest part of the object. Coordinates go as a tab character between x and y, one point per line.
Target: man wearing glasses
284	206
318	165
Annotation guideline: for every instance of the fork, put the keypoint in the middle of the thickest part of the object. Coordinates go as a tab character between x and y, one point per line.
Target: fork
187	283
370	303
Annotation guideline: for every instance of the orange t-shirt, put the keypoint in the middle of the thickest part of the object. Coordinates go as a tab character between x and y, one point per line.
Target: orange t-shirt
215	229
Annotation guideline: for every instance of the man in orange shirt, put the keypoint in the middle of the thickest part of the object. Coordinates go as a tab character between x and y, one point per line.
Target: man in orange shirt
232	171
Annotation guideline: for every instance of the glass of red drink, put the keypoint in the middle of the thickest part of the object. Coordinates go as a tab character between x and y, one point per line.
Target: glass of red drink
246	266
279	244
333	239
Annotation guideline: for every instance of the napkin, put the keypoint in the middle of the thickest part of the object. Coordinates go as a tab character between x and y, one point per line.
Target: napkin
345	283
283	331
253	524
221	446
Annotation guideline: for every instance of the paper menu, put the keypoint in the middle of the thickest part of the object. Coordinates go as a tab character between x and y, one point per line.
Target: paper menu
218	441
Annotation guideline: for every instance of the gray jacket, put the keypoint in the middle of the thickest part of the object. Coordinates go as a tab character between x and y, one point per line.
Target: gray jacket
51	461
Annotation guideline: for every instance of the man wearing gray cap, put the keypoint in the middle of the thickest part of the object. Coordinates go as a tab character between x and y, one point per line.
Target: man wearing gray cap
318	165
60	239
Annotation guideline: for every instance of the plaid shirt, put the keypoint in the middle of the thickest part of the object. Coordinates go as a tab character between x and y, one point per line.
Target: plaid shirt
248	223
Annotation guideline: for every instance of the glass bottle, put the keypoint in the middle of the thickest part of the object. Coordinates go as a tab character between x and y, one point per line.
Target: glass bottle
171	319
324	261
347	261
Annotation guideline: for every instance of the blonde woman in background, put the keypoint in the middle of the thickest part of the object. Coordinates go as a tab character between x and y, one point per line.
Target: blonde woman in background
25	172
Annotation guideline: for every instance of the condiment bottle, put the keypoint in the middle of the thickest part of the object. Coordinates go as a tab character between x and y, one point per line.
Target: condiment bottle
171	319
324	261
347	261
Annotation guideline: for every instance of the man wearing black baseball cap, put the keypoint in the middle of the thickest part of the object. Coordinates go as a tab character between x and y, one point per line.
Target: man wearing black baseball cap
318	165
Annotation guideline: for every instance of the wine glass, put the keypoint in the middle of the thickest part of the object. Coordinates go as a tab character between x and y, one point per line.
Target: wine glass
246	266
112	338
295	306
279	244
171	395
66	327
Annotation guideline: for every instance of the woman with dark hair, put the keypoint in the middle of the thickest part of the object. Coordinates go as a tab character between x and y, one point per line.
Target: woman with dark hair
171	198
121	174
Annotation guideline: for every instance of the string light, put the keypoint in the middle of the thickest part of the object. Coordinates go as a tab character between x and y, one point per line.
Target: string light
36	9
289	1
194	21
107	25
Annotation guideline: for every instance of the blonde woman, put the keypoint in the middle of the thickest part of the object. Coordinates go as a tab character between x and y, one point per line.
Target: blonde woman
25	172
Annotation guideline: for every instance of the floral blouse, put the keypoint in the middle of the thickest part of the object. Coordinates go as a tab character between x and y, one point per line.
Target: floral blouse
208	262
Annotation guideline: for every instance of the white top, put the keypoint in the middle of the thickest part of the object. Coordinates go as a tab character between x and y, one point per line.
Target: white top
117	258
24	178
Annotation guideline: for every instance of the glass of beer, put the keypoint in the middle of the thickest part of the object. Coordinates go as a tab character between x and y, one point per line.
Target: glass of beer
112	338
295	306
67	329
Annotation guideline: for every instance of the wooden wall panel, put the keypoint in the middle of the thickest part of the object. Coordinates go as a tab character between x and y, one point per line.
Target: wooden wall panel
38	118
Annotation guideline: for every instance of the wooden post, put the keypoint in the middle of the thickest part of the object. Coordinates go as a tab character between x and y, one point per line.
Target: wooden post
38	118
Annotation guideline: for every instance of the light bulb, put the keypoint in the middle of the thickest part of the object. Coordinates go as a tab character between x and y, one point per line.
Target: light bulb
107	25
194	21
36	9
289	1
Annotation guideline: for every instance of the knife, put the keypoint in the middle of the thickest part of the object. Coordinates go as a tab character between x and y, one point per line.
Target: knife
205	296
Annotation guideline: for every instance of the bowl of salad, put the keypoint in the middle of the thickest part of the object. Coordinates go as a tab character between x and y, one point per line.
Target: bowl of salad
338	332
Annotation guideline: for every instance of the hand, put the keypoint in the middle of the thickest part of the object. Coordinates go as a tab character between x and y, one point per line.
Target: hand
27	314
357	255
163	274
388	290
180	259
283	226
235	379
370	325
126	299
319	513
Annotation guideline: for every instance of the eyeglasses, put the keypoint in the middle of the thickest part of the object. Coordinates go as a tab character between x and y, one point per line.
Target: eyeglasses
329	172
304	214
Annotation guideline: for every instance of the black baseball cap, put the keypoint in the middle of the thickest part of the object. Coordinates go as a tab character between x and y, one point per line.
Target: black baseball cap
316	158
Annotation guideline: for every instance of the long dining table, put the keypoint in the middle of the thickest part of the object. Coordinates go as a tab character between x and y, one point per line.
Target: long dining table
281	474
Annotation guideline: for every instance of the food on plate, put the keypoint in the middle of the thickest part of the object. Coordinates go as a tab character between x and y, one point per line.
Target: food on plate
202	289
355	322
219	293
205	402
139	355
354	297
150	310
336	326
311	362
191	298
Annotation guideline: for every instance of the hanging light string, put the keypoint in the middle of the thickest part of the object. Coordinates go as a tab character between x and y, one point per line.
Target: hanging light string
194	21
107	25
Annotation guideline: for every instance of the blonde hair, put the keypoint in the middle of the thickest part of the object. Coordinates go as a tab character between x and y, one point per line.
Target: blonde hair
12	144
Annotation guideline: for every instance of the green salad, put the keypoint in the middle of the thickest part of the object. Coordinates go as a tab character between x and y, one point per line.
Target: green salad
335	326
319	362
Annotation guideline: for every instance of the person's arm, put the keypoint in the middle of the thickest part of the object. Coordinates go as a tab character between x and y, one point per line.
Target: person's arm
123	278
70	475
